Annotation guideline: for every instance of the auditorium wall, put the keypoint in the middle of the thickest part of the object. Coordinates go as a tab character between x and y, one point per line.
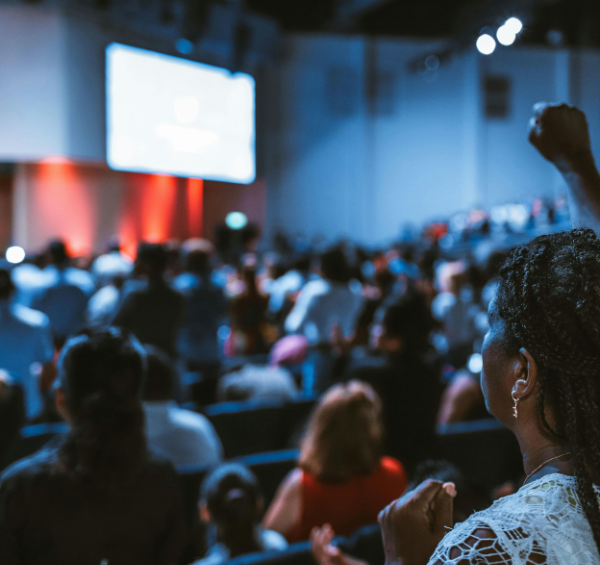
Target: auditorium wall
86	204
360	145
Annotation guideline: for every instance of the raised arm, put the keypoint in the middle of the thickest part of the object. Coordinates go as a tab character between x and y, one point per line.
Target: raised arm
560	133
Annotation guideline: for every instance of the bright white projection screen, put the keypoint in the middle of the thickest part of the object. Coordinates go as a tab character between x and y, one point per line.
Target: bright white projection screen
172	116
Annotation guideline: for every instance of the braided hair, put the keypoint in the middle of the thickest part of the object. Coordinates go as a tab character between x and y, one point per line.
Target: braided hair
549	299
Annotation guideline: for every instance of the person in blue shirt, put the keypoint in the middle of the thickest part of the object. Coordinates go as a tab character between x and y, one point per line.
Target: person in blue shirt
65	294
25	344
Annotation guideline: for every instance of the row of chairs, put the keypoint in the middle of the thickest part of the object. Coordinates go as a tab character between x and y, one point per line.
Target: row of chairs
484	451
365	544
245	428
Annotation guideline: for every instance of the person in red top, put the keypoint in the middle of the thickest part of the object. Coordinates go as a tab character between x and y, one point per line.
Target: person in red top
342	478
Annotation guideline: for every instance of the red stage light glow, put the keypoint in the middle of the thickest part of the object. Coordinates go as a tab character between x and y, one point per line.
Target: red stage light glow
195	194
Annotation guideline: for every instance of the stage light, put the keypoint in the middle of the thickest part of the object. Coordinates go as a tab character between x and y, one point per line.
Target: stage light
505	35
15	254
486	44
475	363
236	220
514	25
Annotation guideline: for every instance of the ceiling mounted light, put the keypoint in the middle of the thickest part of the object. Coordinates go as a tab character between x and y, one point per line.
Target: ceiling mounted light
486	44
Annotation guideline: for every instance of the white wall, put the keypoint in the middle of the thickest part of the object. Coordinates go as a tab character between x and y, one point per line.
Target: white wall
430	153
33	110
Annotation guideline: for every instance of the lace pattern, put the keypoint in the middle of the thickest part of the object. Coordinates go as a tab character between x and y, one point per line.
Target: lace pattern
544	523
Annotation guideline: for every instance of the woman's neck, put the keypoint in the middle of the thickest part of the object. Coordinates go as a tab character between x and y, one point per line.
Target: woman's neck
544	456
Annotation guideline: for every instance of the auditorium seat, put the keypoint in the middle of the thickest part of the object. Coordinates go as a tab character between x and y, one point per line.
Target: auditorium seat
257	426
32	439
485	452
295	554
270	469
366	544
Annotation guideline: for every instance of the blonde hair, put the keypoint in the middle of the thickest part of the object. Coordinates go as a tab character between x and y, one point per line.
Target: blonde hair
345	434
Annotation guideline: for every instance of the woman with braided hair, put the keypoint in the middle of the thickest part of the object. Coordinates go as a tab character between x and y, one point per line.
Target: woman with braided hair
541	378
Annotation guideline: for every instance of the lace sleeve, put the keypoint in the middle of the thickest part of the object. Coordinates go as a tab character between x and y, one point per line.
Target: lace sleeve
543	524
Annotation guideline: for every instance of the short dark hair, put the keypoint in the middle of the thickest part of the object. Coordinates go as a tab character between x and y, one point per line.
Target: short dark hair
58	252
334	266
411	320
232	496
154	257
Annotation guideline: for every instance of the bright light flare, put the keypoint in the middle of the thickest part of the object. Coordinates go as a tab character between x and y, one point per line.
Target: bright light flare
486	44
15	254
475	364
505	35
514	25
236	220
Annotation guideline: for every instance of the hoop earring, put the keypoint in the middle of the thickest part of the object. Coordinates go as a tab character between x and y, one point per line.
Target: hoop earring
516	406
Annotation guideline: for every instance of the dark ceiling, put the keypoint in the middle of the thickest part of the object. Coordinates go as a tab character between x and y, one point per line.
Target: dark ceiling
561	22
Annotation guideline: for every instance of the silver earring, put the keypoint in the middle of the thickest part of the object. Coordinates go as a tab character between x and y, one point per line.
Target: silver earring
515	407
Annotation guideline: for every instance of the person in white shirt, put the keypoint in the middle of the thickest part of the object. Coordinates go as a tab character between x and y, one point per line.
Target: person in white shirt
289	283
25	340
184	437
326	302
113	263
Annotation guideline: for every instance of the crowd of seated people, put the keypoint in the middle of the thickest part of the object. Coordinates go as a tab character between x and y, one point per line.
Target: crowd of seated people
389	342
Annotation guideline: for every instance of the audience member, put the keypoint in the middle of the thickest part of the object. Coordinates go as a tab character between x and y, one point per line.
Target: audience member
112	264
153	311
25	339
325	302
409	381
231	500
183	436
342	478
206	308
97	496
29	278
102	307
248	318
253	382
12	413
462	400
540	379
288	284
65	294
455	309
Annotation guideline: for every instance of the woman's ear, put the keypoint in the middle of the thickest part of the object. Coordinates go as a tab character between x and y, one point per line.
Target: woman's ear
526	375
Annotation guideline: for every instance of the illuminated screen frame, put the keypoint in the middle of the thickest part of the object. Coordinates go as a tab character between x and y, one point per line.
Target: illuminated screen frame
117	107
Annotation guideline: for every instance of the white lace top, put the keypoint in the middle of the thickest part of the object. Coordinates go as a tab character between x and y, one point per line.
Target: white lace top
543	523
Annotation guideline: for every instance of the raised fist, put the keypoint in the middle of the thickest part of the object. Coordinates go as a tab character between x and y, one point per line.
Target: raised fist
559	132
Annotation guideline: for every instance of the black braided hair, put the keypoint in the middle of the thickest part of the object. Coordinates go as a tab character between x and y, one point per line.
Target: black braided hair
549	299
